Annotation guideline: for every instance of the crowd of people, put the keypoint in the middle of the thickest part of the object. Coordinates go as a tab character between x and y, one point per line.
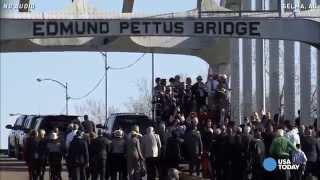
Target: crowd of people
182	98
192	127
199	115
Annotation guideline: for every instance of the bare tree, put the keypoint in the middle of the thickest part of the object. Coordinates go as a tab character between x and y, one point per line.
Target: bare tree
143	103
112	110
95	109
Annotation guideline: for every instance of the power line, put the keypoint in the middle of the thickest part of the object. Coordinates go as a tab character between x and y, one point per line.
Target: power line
128	66
91	91
100	80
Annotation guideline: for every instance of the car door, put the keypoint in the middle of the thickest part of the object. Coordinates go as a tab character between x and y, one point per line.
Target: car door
19	130
109	125
13	136
26	127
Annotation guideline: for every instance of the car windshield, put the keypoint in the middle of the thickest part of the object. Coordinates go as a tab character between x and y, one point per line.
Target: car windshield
30	122
61	122
126	122
33	122
19	121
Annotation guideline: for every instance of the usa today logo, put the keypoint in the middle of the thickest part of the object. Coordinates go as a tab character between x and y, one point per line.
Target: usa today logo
270	164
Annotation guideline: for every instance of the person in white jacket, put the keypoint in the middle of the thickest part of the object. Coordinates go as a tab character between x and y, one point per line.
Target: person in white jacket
293	136
151	146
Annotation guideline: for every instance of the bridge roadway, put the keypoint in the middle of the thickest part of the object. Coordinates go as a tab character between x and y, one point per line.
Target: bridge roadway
13	169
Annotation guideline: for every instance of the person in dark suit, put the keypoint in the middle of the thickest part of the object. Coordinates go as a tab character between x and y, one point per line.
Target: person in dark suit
99	146
246	140
173	153
237	155
268	137
257	153
117	156
43	155
88	126
193	146
230	154
55	153
78	157
32	155
310	146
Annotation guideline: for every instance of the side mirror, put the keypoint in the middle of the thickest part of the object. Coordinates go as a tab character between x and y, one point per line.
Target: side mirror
100	126
9	126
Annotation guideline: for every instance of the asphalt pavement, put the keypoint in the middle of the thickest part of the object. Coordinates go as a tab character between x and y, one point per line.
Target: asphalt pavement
13	169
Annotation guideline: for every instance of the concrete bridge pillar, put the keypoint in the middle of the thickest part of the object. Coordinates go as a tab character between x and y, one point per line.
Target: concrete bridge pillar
260	71
274	77
305	76
274	68
289	81
318	87
260	76
247	69
305	84
235	81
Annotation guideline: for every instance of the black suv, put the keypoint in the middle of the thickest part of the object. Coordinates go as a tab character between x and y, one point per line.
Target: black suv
125	121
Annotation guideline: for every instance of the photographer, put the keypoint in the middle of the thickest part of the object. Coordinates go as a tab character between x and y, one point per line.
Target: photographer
199	93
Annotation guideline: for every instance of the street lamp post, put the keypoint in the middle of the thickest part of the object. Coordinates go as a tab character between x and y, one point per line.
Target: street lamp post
65	86
106	68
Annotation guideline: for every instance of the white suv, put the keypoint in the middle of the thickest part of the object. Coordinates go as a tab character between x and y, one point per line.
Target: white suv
18	133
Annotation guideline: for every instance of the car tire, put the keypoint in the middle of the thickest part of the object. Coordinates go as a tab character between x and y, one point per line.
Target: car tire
20	153
16	151
10	150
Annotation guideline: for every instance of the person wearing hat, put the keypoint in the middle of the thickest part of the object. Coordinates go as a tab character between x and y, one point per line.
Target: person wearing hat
199	93
54	151
187	98
134	155
99	150
117	156
135	129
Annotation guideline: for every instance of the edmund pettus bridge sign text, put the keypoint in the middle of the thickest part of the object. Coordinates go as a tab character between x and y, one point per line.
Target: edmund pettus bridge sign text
143	27
303	30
